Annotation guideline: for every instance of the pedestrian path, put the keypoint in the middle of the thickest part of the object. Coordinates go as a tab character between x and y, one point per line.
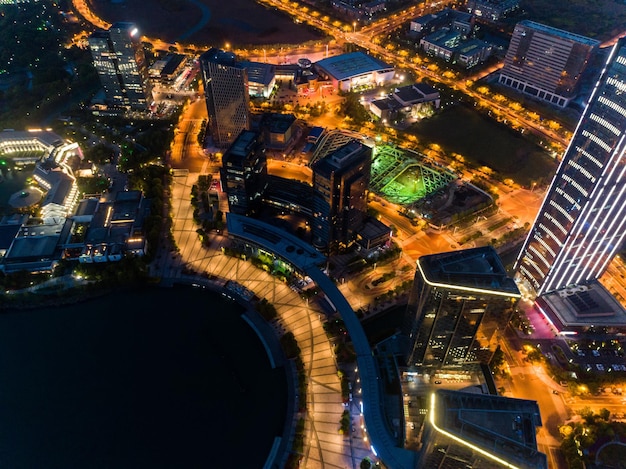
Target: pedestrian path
324	446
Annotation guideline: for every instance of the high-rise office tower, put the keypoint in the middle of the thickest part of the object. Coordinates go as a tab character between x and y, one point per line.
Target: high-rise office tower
340	184
582	220
121	64
482	431
226	92
546	62
459	302
244	173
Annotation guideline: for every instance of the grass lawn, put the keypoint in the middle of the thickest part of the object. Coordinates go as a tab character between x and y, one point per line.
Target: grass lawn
484	142
598	19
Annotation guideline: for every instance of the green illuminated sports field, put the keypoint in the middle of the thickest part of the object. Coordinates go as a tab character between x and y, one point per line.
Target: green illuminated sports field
404	177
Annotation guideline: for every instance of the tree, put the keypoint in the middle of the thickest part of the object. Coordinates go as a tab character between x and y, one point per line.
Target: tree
352	108
365	464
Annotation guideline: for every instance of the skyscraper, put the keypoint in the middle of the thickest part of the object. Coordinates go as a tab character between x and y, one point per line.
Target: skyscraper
582	221
226	92
546	62
121	64
458	303
244	173
340	184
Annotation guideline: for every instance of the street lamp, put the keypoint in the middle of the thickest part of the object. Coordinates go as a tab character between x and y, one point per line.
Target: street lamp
354	26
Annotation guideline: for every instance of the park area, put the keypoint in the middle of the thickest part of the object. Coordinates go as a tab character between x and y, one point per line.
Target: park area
481	141
207	22
598	19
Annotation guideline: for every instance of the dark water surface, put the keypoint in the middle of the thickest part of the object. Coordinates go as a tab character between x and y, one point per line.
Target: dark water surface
157	378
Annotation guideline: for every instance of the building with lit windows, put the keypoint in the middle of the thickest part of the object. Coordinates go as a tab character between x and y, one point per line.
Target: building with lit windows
546	63
121	65
244	173
481	431
491	10
226	92
340	185
459	303
582	221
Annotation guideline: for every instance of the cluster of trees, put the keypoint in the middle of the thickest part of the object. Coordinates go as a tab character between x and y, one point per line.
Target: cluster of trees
583	439
266	309
152	180
41	75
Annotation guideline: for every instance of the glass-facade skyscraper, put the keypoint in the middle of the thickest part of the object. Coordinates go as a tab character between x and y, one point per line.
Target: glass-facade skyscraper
121	65
226	92
459	303
340	185
582	221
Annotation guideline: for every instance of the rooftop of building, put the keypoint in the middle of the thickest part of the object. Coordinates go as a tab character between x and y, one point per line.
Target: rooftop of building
442	37
559	33
172	62
259	72
373	229
415	92
386	104
477	268
221	57
241	147
87	207
350	65
471	45
316	132
340	158
425	19
502	428
278	123
290	248
583	305
46	137
37	241
7	233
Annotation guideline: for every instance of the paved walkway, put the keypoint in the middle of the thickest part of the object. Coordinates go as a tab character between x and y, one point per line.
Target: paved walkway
324	446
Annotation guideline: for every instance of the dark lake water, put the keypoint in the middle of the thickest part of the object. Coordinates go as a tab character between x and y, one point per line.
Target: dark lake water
158	378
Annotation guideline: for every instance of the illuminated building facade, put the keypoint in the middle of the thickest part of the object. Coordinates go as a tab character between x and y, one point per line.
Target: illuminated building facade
546	62
459	302
226	92
481	431
340	184
582	221
244	173
121	65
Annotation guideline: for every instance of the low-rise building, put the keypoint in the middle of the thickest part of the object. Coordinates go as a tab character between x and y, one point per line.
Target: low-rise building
116	229
408	100
354	70
491	10
261	78
278	130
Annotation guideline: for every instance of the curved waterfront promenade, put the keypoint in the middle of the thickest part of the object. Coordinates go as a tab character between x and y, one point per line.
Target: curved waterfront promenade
304	258
324	447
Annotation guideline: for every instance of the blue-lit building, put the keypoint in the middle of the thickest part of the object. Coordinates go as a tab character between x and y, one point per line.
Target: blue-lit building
459	303
356	69
582	221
